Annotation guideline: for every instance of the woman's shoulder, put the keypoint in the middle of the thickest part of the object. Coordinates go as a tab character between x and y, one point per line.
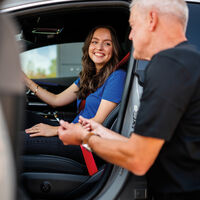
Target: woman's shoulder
117	75
118	72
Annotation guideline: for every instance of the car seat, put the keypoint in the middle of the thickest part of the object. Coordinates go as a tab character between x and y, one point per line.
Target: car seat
50	176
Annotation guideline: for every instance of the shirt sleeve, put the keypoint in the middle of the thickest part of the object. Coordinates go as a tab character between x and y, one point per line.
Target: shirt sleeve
167	91
114	86
77	82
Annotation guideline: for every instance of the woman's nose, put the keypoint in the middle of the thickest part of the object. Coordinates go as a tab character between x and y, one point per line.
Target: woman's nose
100	46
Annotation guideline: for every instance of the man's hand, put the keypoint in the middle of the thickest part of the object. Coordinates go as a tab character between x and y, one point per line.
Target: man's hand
70	133
90	125
42	130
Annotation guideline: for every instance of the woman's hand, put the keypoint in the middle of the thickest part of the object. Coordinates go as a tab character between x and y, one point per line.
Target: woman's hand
42	130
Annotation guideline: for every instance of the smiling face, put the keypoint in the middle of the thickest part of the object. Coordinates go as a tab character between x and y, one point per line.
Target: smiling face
101	48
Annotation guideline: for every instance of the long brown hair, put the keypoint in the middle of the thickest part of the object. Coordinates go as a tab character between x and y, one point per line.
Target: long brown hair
89	79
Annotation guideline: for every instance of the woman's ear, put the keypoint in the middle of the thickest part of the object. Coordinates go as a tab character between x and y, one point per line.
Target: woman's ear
153	20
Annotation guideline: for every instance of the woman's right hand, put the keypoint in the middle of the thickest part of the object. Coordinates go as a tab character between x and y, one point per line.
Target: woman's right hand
42	130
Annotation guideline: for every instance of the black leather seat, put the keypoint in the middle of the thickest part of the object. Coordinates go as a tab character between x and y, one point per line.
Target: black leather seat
48	176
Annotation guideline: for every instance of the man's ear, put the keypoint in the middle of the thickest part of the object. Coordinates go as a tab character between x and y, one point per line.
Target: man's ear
153	20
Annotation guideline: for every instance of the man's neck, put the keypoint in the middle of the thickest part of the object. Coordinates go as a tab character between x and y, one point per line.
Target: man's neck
167	43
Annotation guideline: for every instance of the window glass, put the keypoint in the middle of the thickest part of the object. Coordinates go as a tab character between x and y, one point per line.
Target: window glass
142	65
63	60
193	29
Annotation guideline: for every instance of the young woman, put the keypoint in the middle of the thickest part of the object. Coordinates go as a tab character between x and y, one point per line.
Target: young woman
100	84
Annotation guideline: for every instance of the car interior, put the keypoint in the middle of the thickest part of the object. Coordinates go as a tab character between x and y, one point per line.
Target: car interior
62	29
56	32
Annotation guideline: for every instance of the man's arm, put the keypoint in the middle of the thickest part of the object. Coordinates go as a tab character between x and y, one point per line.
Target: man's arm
136	153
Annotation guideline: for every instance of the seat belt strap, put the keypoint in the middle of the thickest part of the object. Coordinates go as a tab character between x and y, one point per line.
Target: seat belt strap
88	156
89	161
123	61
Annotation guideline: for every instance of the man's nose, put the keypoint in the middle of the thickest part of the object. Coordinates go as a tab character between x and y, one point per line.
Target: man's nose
130	37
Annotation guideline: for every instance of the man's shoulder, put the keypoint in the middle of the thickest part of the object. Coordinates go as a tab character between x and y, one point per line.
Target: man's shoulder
185	51
184	57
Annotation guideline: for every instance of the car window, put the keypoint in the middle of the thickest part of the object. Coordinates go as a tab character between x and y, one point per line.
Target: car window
141	65
63	60
193	29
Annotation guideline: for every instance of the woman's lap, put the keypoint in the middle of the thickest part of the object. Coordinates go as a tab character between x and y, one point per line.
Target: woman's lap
50	145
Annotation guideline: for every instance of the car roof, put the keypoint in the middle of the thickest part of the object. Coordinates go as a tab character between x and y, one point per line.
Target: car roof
198	1
74	18
15	4
25	3
11	5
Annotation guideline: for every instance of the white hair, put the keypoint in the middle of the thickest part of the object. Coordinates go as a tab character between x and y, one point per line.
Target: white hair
177	8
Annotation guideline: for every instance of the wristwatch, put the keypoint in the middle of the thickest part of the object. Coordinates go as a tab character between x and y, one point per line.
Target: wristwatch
86	139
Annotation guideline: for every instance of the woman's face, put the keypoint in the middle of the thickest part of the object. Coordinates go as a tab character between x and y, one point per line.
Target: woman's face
101	47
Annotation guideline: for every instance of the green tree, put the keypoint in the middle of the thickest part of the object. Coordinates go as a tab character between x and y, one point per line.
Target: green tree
30	67
52	68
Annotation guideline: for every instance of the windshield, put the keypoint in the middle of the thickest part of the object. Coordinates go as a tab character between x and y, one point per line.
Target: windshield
13	3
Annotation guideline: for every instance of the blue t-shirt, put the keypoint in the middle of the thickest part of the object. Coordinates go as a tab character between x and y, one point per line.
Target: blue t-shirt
111	90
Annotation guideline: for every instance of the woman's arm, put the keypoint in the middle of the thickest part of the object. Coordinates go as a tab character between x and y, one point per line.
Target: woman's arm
67	96
64	98
111	96
104	110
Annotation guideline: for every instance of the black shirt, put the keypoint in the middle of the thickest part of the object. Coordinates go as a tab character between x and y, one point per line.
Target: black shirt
170	110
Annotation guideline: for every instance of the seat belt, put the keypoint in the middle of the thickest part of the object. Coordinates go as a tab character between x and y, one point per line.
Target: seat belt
89	161
88	156
123	60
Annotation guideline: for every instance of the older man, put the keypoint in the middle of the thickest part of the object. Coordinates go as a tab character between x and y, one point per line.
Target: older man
166	142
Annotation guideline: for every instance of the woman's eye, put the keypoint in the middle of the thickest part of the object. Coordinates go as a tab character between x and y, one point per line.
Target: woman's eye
108	44
94	42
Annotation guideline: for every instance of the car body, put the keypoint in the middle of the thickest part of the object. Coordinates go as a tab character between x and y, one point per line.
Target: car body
60	26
